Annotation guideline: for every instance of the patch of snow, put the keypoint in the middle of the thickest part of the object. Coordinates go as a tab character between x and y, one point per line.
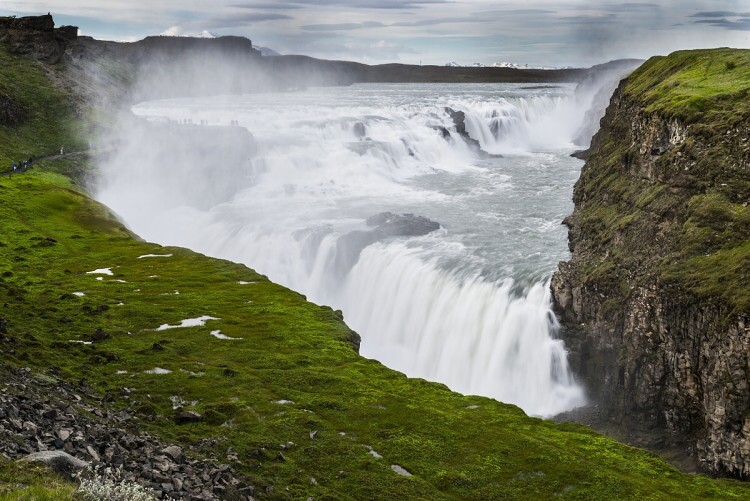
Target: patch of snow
400	470
283	402
79	294
121	372
101	271
79	341
154	255
374	453
219	335
153	276
175	293
472	407
157	370
192	373
120	281
188	322
242	282
100	278
120	304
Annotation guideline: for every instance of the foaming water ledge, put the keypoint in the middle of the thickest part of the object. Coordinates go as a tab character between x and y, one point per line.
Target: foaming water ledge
474	336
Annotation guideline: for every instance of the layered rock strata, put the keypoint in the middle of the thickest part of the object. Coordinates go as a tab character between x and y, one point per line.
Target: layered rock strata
652	300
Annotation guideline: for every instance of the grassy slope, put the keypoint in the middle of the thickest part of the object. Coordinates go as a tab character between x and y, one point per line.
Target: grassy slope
27	482
289	350
705	188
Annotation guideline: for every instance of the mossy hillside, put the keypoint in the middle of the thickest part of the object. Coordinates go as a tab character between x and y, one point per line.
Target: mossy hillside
710	85
50	122
288	350
694	209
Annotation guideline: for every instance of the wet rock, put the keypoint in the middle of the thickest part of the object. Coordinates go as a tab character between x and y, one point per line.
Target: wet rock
459	121
444	132
359	130
385	225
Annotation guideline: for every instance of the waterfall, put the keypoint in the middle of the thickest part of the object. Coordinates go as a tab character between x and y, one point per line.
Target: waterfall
467	304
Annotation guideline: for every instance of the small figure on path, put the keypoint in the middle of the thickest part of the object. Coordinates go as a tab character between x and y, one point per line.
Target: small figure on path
62	150
15	166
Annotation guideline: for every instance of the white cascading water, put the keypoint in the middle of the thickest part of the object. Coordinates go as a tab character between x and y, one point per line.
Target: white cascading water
467	305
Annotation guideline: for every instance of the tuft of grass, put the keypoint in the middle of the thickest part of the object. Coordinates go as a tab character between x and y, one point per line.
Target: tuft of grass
29	482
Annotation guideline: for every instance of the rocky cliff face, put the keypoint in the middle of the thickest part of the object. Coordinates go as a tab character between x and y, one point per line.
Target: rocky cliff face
37	37
654	300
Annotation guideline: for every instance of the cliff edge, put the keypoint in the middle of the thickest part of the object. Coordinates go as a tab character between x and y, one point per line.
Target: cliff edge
655	300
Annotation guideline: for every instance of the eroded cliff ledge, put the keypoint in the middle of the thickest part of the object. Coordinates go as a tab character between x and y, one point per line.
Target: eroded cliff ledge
655	301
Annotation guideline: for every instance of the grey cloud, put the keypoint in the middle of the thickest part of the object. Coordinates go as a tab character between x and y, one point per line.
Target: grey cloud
738	25
514	12
235	20
342	26
444	20
374	4
268	6
721	13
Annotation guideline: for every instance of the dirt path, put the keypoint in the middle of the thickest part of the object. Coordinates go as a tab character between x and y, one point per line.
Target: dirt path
21	169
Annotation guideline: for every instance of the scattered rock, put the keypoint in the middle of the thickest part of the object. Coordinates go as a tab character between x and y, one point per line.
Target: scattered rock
31	424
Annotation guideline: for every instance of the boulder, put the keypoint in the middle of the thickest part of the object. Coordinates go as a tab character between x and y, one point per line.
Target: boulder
61	462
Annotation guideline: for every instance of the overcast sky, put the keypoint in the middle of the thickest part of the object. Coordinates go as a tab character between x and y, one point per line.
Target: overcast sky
534	32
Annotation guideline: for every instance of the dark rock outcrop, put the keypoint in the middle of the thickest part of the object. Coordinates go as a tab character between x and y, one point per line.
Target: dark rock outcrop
37	37
385	225
659	356
10	113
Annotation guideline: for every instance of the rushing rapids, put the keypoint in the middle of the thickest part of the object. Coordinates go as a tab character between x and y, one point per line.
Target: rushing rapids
465	302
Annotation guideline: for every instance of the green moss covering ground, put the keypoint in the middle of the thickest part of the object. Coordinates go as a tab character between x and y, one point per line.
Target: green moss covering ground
27	482
710	85
302	410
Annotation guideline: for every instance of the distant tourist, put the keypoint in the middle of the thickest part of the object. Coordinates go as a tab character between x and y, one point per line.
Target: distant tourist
15	166
62	150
